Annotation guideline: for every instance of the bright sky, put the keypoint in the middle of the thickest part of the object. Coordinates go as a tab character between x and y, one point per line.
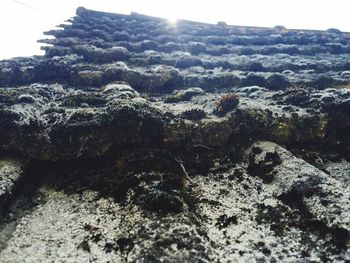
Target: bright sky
23	21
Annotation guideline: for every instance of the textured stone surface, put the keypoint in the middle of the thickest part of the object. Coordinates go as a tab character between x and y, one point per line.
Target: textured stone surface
153	142
11	172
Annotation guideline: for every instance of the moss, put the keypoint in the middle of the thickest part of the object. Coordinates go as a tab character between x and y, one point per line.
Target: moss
54	109
82	115
173	98
283	129
87	78
8	96
324	83
193	114
321	125
157	78
120	90
183	95
214	135
163	201
178	133
263	168
6	76
26	98
78	100
100	55
8	115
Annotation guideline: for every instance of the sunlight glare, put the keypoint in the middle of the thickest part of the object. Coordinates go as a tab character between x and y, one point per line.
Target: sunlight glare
172	21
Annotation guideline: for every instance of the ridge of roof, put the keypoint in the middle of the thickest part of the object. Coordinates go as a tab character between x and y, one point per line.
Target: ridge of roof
85	12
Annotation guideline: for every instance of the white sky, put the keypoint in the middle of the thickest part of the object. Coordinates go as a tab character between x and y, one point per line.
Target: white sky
23	21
